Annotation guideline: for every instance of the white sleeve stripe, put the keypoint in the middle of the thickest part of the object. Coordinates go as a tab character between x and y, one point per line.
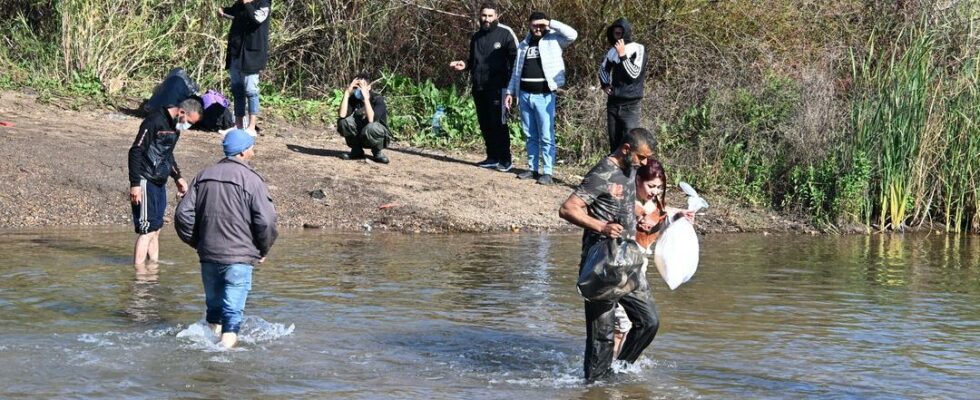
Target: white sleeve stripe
603	75
261	14
633	65
512	34
142	136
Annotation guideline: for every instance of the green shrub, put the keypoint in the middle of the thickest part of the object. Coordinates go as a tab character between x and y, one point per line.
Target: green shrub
726	88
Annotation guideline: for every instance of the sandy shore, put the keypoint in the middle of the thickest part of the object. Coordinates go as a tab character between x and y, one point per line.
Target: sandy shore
66	168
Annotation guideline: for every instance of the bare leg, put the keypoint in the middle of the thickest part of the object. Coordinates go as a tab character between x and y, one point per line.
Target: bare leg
153	250
148	272
253	120
141	249
623	325
228	339
618	343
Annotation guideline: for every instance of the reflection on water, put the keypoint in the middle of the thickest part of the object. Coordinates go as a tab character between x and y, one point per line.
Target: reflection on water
144	302
489	316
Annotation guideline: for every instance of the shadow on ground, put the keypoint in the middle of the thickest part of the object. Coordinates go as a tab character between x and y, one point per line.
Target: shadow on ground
315	152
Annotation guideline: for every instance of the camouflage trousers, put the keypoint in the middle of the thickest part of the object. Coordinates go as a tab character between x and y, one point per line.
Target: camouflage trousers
373	135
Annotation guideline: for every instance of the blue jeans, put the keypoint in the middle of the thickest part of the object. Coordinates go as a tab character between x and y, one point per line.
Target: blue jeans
226	287
538	123
244	87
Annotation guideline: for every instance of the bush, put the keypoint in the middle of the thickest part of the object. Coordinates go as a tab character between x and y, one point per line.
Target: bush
761	101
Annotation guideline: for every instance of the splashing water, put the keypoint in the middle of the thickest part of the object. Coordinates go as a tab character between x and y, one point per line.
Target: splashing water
254	330
124	340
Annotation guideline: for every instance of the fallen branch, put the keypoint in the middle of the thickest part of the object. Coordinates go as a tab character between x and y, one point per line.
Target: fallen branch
410	3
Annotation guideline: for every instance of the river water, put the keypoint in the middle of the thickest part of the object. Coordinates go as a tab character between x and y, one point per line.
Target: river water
489	317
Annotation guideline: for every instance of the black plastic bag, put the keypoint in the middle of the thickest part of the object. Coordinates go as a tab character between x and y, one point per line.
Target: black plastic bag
176	87
612	269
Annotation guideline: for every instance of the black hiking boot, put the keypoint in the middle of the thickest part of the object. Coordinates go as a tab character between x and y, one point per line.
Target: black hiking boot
379	157
353	155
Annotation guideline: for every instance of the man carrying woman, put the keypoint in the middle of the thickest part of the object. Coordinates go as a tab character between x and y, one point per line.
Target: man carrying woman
598	205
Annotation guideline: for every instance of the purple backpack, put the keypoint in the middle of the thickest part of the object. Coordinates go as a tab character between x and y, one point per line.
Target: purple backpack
211	97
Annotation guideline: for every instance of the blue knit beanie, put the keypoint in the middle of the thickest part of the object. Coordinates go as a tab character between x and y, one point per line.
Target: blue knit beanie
237	141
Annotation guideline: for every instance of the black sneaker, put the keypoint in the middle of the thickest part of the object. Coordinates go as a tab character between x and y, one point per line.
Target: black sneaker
504	167
527	175
545	180
380	158
353	155
488	163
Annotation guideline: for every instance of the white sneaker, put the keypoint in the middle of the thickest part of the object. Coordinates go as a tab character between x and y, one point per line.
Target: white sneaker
224	132
251	132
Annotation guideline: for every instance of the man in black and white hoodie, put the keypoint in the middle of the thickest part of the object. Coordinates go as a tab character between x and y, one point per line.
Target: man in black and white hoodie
621	75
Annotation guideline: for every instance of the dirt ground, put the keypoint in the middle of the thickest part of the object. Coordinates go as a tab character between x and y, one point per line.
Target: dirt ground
61	167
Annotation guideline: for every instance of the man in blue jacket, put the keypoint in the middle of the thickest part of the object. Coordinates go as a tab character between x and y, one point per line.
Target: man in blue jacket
538	72
228	217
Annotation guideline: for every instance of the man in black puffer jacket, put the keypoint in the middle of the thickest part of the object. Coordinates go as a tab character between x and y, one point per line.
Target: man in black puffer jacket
621	75
151	162
248	52
493	49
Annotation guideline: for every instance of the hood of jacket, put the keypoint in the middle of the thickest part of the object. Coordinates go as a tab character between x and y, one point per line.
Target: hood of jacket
627	31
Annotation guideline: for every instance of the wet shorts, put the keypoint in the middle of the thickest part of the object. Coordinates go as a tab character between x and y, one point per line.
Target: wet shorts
148	214
623	323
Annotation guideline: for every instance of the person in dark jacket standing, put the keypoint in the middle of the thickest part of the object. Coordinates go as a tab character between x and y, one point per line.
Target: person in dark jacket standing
228	216
621	75
248	52
363	120
151	161
493	49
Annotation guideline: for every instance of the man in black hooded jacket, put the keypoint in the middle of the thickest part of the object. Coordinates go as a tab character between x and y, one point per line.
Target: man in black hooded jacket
248	52
151	162
621	76
493	49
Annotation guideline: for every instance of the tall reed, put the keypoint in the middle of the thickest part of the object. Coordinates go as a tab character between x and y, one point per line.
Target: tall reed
915	114
113	40
889	117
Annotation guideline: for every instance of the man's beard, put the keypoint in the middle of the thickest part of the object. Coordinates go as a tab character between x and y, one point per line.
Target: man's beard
627	164
632	162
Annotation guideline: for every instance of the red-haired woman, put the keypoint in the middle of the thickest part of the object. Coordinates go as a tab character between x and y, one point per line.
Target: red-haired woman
651	216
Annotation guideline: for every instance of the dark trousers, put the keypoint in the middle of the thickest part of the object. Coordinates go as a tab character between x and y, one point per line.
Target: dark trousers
621	116
359	134
490	114
600	328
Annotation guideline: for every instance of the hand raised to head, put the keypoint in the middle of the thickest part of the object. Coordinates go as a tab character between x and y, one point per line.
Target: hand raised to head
621	47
